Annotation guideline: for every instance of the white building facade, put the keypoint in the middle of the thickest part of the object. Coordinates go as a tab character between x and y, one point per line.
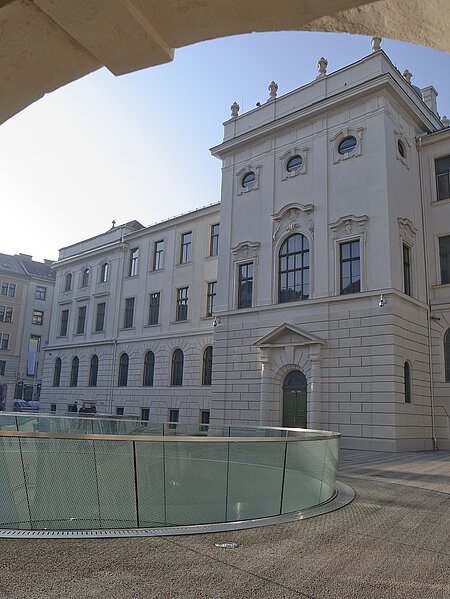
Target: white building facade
331	287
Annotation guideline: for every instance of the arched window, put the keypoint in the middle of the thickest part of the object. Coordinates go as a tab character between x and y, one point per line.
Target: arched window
57	373
293	265
295	400
74	372
104	272
123	370
176	379
149	369
407	381
68	282
85	277
207	366
447	356
93	371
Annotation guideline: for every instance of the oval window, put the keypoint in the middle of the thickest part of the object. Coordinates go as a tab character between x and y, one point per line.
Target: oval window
401	149
248	180
347	145
294	164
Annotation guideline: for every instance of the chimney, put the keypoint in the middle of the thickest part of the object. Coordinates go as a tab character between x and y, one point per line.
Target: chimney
24	256
48	262
429	95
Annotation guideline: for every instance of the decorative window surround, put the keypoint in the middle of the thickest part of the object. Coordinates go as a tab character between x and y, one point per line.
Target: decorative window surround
241	174
293	218
284	159
407	231
340	136
348	228
400	138
246	250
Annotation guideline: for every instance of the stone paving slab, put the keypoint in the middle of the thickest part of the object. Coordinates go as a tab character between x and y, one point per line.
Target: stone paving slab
392	542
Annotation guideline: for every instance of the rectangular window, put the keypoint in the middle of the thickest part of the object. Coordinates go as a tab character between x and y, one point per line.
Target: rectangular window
100	317
145	414
2	367
211	298
41	293
134	257
173	418
119	411
153	312
185	252
6	314
204	420
129	313
34	347
81	322
350	276
158	256
182	303
64	323
8	289
245	285
53	407
407	270
38	317
444	257
214	241
4	341
442	167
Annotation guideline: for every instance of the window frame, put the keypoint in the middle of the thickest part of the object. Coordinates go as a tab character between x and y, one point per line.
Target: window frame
174	418
182	304
81	320
351	260
40	293
302	269
64	322
85	277
207	363
214	240
100	317
436	176
4	341
177	368
211	294
74	371
153	308
148	374
68	281
8	289
104	272
444	260
133	262
57	368
6	314
446	347
128	315
37	318
407	269
123	370
158	255
407	382
93	371
186	247
240	305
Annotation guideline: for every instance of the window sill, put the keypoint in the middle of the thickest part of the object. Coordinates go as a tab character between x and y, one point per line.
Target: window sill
128	329
98	332
152	326
180	321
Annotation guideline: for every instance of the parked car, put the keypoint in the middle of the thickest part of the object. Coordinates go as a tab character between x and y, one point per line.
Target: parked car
21	405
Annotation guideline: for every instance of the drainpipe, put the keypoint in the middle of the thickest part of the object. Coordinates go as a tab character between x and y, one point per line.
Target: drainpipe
428	302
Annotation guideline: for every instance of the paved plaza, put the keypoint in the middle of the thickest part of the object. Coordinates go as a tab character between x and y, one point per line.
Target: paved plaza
391	542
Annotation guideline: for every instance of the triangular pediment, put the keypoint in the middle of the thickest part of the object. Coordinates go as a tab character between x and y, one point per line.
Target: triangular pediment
288	335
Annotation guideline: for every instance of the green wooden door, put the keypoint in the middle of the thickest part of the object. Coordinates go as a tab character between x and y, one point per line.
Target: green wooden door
295	400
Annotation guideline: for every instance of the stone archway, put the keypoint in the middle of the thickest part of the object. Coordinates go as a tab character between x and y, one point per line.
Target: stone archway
47	44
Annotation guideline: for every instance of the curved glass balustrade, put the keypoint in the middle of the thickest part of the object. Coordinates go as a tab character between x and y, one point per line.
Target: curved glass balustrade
65	473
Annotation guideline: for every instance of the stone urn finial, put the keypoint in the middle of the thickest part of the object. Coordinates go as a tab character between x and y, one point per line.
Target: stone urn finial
445	121
234	110
273	88
322	65
407	75
376	43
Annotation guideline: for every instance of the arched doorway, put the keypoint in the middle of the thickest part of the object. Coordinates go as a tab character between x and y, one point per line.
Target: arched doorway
295	400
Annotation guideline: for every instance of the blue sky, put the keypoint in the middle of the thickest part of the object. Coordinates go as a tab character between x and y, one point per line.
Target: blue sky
137	146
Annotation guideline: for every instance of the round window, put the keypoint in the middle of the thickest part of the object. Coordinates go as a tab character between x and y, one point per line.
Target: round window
347	145
248	180
401	149
294	164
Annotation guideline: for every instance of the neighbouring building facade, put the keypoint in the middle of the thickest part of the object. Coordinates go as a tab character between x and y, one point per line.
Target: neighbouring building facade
26	295
324	302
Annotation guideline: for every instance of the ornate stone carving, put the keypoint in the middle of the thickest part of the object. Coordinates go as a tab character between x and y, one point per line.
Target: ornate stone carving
273	89
407	230
245	250
292	219
322	65
349	225
376	43
234	110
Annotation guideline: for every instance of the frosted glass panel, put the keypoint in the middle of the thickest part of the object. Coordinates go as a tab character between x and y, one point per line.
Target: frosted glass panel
303	477
150	484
